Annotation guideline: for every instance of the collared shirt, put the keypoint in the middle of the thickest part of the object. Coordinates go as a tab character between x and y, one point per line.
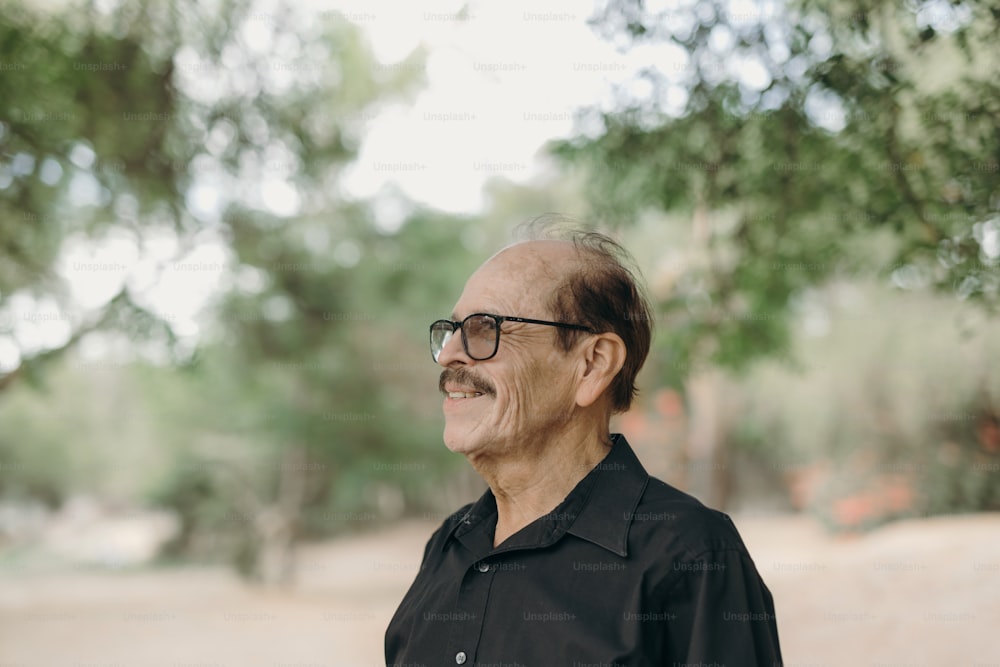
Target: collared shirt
626	572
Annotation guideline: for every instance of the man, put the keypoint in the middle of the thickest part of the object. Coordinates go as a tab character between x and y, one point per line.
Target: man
574	556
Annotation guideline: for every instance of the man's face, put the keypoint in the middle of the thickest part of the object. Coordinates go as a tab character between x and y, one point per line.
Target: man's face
527	389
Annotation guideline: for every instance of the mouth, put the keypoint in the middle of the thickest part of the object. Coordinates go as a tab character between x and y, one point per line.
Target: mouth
459	395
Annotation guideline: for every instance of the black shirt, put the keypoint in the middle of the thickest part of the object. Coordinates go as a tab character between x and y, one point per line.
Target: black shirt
626	571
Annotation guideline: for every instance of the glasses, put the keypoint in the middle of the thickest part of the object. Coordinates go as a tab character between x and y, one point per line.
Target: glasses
481	333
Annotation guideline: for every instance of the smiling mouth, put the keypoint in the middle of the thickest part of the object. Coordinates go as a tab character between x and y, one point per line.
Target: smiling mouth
462	394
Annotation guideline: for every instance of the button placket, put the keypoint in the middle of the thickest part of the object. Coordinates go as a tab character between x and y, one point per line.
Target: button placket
470	606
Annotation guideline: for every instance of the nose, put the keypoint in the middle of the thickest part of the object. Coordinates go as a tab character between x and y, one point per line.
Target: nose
453	351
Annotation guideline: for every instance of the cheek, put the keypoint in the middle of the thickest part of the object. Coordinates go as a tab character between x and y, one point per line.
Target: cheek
537	392
512	400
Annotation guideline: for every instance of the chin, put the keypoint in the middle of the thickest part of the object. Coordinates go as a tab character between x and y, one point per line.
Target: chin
456	442
459	439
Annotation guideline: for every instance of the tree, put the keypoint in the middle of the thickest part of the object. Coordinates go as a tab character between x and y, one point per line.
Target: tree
144	124
826	138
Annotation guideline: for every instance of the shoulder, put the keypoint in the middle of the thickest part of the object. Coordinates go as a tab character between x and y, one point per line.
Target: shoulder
667	520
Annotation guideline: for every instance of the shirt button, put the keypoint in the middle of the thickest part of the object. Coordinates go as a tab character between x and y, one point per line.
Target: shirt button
460	658
483	567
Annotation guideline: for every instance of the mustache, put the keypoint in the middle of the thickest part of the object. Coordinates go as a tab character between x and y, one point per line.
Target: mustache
464	377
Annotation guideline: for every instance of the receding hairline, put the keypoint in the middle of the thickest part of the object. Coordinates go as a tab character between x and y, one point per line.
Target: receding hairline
530	244
552	259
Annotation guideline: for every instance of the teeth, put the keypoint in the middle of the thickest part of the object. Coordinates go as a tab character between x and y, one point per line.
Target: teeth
462	394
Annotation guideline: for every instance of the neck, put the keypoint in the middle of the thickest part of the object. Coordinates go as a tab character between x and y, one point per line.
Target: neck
530	478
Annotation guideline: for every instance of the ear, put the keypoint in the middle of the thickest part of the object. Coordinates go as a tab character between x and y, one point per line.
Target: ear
603	356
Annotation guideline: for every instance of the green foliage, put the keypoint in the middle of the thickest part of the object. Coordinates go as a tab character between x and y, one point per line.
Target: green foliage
67	93
817	129
115	123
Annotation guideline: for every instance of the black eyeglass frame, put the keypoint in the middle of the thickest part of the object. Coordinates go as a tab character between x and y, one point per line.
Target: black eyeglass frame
499	319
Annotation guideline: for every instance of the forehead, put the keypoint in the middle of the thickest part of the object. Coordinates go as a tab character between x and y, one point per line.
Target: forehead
519	279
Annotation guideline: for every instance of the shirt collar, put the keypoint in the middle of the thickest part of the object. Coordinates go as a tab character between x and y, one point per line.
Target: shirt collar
599	509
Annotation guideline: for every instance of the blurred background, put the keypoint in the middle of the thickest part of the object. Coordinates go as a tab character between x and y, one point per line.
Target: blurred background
225	227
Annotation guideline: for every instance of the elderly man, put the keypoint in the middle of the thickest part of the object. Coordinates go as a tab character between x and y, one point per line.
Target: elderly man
574	556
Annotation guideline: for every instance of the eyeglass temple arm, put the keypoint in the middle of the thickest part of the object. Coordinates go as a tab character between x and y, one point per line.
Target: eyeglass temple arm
564	325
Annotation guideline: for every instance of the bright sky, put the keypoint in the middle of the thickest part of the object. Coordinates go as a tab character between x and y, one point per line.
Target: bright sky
502	81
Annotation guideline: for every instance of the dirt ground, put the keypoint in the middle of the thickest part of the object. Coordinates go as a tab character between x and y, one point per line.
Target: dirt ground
918	593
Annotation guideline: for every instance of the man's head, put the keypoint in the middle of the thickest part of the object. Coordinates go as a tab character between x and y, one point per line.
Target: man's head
544	380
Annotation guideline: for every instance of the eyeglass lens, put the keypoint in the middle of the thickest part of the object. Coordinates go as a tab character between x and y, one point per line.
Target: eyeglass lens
480	336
